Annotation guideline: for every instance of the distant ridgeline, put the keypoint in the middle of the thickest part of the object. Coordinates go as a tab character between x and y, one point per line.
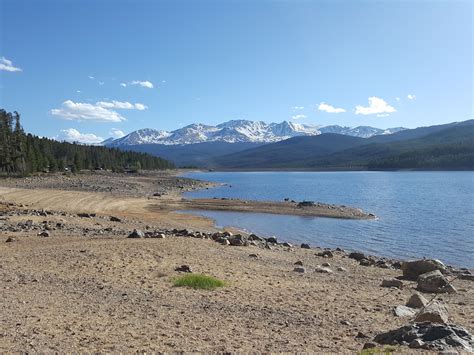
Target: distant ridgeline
22	153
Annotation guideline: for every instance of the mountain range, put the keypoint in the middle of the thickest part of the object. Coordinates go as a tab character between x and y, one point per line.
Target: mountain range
248	145
239	131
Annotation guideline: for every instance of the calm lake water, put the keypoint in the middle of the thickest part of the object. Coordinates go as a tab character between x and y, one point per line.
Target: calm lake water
419	213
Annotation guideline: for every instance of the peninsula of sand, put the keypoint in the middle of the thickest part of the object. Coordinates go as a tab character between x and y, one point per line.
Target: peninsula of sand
74	280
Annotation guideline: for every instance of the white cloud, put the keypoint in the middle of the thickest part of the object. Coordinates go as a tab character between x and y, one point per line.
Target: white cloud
116	133
330	109
376	106
298	108
411	97
382	114
146	84
73	135
78	91
91	77
78	111
101	83
123	84
397	98
298	117
7	65
121	105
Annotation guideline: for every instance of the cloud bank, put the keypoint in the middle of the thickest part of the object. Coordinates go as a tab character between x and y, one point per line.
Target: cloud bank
102	111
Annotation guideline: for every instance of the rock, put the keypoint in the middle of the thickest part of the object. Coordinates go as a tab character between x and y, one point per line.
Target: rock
392	283
255	256
115	219
305	246
183	268
413	269
299	262
223	241
326	264
435	336
272	240
323	270
325	254
435	312
416	344
43	234
86	215
238	241
404	311
288	245
137	233
356	256
417	301
299	269
10	240
365	262
340	268
255	238
369	345
469	277
434	282
344	322
361	335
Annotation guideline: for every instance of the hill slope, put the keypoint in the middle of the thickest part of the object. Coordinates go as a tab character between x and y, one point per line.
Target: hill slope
438	147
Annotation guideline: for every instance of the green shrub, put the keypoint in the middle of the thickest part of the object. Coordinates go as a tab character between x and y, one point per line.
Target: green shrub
385	350
198	281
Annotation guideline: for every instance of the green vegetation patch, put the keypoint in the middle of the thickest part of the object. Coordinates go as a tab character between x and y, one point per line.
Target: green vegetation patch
198	281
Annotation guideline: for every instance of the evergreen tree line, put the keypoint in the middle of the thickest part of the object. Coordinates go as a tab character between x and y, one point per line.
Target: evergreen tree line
22	153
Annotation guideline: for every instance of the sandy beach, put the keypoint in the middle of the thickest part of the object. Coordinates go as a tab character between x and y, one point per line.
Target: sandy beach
87	287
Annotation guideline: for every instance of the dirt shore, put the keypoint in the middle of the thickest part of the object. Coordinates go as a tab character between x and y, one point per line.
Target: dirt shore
89	288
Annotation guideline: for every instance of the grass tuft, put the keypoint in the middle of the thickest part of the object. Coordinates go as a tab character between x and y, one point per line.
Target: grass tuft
197	281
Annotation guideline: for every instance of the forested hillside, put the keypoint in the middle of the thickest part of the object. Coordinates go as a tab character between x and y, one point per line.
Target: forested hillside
22	153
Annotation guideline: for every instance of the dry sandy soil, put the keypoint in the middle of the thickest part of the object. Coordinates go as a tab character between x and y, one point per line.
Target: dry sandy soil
89	288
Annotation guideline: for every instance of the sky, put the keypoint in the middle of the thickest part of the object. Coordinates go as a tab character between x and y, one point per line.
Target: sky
89	70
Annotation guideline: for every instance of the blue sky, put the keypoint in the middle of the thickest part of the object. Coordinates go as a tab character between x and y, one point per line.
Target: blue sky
93	69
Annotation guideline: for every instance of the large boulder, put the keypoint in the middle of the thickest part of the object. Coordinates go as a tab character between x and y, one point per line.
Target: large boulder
429	336
413	269
434	282
435	312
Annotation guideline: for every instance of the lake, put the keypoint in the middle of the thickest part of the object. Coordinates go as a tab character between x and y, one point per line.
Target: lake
419	214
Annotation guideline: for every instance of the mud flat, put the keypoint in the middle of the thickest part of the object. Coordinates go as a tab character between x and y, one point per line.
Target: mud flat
285	208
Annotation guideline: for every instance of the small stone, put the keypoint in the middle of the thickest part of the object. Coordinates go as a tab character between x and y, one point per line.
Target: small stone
43	234
417	301
361	335
255	256
325	254
299	262
416	344
183	268
364	262
301	270
305	246
272	240
340	268
115	219
392	283
404	311
344	322
326	264
369	345
288	245
136	234
10	240
323	270
356	256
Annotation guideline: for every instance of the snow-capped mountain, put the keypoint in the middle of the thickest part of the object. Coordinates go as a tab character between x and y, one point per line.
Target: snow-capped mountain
361	131
239	131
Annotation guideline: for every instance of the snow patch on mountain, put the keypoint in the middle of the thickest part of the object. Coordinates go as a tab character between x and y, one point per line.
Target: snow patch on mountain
240	131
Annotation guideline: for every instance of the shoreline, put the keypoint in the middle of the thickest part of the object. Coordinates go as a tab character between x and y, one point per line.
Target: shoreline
76	282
